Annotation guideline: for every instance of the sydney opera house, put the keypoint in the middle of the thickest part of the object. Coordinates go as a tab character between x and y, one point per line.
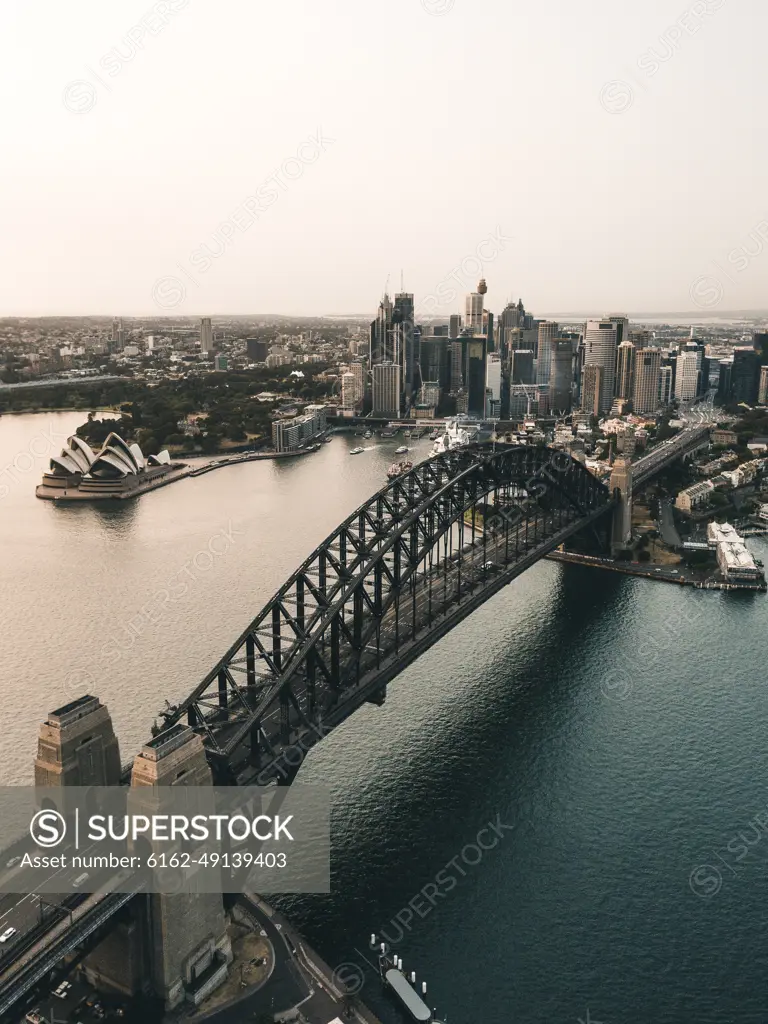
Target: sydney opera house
117	470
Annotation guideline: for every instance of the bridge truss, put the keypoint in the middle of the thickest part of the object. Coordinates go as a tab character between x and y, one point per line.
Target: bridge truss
393	578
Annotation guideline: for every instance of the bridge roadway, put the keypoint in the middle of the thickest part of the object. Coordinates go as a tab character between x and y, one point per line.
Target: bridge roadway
688	440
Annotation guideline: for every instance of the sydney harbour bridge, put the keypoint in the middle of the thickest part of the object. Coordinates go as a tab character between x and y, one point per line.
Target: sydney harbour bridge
389	582
397	575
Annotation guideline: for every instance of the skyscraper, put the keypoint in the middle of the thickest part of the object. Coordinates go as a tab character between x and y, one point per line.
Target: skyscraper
592	389
561	377
666	389
386	390
521	366
405	343
762	393
745	379
548	331
645	393
206	336
382	347
493	386
473	363
687	375
725	377
625	359
622	328
473	313
600	341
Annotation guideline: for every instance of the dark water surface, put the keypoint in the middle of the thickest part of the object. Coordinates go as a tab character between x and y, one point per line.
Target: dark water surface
613	732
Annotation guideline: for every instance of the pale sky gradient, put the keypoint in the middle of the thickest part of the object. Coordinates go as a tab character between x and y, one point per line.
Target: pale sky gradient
446	127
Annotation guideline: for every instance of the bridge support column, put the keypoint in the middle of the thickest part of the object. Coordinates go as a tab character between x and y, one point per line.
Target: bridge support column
189	946
77	746
621	485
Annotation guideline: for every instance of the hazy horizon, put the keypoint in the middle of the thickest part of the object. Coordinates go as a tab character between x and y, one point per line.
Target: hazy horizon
611	163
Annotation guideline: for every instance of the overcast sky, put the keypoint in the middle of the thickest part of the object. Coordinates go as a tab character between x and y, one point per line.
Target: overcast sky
600	156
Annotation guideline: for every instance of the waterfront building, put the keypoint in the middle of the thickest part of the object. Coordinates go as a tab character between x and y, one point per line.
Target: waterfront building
116	470
734	560
386	390
601	343
645	391
290	434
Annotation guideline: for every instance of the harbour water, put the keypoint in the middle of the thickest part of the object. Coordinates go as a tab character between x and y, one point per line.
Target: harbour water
554	814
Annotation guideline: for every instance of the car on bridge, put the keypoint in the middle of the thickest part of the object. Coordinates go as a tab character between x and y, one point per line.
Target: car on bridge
489	566
7	934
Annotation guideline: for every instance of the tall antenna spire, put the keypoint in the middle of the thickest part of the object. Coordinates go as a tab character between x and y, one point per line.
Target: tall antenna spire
402	289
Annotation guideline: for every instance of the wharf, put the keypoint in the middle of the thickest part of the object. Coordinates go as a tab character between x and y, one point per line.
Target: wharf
233	460
660	573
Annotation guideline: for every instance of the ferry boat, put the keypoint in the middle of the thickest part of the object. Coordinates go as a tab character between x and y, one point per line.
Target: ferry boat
356	451
402	989
453	437
402	450
398	468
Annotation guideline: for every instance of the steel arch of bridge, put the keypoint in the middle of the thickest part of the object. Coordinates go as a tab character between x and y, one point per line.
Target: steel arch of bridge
393	578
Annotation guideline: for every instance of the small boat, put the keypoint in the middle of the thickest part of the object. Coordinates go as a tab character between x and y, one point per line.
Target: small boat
402	450
357	451
398	468
367	434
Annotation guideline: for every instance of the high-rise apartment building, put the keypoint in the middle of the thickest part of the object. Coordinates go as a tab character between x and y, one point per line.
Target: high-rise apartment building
600	345
206	336
645	392
547	332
